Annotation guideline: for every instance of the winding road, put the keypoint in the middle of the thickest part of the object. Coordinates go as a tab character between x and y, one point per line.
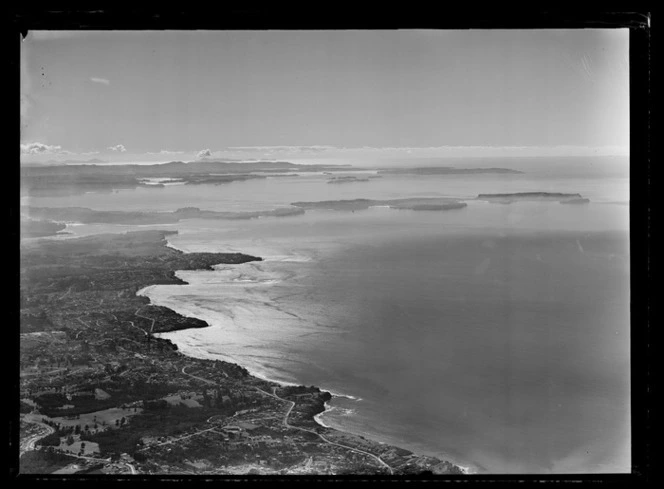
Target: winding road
290	426
28	444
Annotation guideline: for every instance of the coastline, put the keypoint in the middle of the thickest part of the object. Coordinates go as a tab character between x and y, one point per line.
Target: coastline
465	469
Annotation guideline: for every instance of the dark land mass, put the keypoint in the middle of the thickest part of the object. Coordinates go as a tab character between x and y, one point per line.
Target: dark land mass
62	163
444	170
76	179
273	175
563	198
36	229
75	162
89	216
416	204
576	201
218	179
100	388
348	179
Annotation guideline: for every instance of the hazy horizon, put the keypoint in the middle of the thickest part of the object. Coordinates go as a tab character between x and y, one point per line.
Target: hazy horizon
154	96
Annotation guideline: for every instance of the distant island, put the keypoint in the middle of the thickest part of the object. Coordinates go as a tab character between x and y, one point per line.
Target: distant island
75	162
347	179
63	162
576	201
218	179
45	221
415	204
563	198
85	215
445	170
49	180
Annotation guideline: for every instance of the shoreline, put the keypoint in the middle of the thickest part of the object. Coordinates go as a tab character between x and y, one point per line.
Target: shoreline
466	469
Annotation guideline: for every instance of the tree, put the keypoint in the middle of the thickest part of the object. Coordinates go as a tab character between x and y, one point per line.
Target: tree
52	440
70	440
140	456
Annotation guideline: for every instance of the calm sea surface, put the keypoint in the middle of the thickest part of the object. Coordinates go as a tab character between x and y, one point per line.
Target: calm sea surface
496	336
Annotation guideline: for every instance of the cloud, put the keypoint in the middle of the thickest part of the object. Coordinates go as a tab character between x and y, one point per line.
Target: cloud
41	148
282	149
103	81
167	152
206	153
118	147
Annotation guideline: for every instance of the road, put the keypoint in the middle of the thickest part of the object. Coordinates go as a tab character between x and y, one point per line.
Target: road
167	442
288	425
201	378
51	372
29	443
198	378
145	333
66	293
137	314
87	326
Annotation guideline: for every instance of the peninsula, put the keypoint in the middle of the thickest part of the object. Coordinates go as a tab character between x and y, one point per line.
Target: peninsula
347	179
48	180
415	204
85	215
563	198
101	393
445	170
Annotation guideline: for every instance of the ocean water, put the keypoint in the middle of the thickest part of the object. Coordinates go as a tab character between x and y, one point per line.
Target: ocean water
495	336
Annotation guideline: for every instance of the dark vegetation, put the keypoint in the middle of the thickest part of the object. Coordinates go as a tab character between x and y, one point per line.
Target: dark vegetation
432	203
160	420
52	440
120	395
44	461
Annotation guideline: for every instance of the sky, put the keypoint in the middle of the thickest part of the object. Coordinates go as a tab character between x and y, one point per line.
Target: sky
145	96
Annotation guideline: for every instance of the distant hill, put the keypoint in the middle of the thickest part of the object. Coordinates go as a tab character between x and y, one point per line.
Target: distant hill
445	170
414	204
72	179
563	198
70	162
